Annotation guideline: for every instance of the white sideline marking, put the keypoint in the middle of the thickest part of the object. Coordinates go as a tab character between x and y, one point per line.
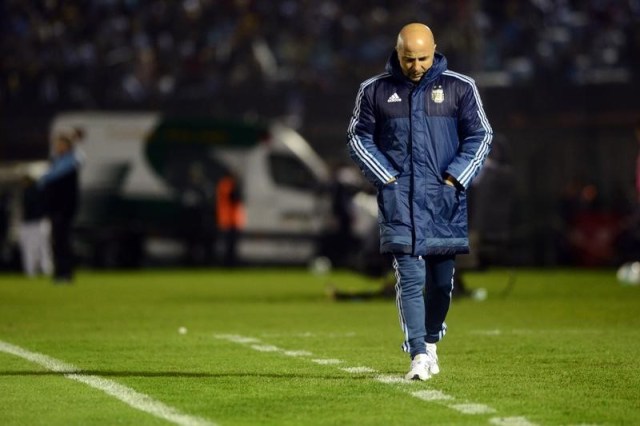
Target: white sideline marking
329	361
472	408
358	370
127	395
266	348
586	424
495	332
392	380
432	395
37	358
297	353
309	334
237	339
532	332
511	421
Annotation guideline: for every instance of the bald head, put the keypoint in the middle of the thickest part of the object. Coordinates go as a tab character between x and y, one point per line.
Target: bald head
62	145
415	48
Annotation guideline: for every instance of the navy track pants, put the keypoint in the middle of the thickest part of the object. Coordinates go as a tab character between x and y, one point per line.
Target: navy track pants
423	295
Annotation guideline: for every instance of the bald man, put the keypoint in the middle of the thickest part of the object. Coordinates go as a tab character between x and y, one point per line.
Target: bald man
60	186
420	135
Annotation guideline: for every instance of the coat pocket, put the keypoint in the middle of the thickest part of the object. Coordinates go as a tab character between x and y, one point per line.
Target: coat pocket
387	202
449	203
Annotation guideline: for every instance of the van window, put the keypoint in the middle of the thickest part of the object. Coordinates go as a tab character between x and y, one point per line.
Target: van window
290	172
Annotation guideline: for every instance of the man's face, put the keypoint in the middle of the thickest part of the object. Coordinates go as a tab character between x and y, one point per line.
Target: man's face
416	61
61	146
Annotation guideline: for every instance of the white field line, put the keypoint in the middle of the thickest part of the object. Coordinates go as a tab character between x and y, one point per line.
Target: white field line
297	353
309	334
473	408
327	361
237	339
495	332
532	332
510	421
266	348
431	395
391	380
358	370
127	395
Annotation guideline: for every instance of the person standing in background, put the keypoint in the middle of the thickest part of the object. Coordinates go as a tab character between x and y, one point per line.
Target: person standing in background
60	185
628	239
198	216
419	134
230	215
637	135
342	242
34	231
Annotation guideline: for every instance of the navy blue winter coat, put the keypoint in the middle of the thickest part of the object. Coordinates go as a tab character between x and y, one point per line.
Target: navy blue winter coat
419	133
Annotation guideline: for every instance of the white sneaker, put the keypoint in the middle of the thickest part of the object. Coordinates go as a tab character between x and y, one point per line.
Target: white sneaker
419	368
432	359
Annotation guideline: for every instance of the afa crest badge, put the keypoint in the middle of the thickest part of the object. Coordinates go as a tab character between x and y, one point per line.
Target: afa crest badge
437	95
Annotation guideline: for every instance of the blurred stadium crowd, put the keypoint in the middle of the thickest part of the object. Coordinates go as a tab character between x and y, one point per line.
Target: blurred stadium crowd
559	78
104	53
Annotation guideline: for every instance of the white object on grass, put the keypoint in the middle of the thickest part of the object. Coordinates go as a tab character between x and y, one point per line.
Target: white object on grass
629	273
320	265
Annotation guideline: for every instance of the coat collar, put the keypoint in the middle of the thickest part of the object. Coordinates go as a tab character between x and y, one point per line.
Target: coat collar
439	66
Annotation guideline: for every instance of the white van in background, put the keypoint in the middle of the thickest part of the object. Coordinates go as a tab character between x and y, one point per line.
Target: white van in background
140	169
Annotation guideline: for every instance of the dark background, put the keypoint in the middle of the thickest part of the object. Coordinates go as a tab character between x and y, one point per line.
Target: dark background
559	79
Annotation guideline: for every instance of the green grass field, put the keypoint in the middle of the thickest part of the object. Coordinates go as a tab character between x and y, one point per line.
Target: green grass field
268	347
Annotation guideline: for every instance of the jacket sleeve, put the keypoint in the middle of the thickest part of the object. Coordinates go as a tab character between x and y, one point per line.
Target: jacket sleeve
60	168
362	147
475	134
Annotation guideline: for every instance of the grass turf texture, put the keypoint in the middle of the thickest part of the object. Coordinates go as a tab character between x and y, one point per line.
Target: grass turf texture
560	349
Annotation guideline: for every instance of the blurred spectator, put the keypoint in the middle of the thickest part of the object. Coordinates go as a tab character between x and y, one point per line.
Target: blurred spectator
230	215
198	200
590	230
628	241
34	231
491	207
140	53
5	216
637	136
342	243
60	184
